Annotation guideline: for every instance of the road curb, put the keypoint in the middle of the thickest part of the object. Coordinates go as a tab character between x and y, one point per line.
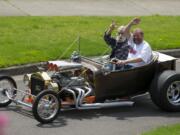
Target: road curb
30	68
172	52
22	69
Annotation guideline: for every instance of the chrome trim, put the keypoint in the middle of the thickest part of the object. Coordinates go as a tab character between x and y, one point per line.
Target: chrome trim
89	91
17	101
49	108
106	105
173	93
81	106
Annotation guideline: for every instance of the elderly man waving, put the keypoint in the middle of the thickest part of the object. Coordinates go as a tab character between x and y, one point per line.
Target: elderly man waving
119	44
130	49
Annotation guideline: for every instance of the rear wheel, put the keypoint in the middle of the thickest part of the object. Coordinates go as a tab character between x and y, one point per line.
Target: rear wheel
9	85
173	93
165	92
46	106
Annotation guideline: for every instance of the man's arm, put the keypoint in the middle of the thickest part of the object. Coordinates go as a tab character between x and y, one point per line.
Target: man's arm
135	60
134	21
107	36
111	28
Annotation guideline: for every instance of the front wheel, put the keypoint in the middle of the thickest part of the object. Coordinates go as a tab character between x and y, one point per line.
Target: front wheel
9	85
166	91
46	106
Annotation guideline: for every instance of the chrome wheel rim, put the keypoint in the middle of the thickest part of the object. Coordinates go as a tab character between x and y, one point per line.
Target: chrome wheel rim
173	93
48	106
6	85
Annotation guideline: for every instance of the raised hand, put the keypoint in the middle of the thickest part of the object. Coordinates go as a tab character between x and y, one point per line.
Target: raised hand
136	21
113	25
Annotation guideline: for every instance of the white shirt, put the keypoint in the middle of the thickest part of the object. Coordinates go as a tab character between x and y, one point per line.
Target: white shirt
142	51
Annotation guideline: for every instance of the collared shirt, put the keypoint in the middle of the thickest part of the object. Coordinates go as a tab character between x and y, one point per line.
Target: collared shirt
120	50
142	51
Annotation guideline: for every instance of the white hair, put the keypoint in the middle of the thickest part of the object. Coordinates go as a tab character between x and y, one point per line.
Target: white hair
121	28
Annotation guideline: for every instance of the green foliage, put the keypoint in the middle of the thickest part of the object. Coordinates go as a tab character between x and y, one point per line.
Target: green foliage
165	130
33	39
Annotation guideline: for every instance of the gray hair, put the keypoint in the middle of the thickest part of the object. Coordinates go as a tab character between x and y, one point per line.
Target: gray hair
121	28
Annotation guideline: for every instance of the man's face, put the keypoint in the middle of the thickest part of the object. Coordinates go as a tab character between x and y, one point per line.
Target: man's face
120	38
138	37
120	34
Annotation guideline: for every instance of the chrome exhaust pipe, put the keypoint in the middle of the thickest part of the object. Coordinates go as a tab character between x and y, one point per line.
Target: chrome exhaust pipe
81	95
74	96
89	90
107	105
79	98
99	105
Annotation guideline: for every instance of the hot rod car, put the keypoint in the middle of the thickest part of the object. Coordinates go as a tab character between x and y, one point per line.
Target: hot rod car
86	83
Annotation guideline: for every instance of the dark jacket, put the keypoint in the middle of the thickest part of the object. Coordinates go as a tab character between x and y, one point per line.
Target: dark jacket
120	50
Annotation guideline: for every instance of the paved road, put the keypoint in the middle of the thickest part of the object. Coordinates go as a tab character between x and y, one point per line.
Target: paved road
88	7
116	121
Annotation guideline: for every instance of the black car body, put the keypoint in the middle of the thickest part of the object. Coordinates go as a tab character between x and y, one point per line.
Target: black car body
85	83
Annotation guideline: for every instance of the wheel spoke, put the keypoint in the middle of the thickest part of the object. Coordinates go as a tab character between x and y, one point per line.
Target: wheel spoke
177	101
173	93
6	84
169	94
48	106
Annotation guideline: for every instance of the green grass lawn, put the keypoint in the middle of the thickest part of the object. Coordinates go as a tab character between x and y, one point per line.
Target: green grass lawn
33	39
165	130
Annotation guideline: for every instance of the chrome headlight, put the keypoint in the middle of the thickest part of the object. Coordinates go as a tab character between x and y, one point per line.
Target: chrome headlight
26	79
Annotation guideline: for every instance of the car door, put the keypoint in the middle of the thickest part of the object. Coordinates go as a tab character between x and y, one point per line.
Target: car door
124	83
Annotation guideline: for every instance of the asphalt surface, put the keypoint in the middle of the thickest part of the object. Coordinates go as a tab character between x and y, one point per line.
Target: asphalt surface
89	7
143	116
